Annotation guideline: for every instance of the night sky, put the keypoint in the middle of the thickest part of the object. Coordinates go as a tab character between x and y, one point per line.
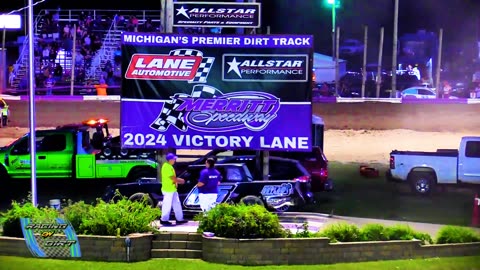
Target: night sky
459	18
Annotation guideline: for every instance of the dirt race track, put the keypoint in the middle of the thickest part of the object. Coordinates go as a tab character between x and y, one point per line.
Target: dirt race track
359	116
355	132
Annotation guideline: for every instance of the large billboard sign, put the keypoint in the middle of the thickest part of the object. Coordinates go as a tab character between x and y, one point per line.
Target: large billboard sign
216	14
216	91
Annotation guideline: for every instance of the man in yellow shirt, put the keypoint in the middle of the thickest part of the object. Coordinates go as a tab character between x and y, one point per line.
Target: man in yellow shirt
170	194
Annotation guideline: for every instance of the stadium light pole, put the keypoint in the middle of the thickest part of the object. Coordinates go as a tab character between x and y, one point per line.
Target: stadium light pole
31	107
334	5
395	50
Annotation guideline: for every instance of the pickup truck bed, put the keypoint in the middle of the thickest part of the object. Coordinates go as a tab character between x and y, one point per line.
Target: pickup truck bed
440	152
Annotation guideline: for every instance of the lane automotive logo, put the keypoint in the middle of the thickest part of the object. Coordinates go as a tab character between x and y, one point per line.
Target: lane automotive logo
207	109
262	67
179	65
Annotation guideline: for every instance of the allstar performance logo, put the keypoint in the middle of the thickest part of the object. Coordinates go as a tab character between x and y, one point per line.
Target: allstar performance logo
266	68
179	65
216	14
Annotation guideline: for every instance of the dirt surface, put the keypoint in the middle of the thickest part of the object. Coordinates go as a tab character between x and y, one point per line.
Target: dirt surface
369	146
359	116
362	132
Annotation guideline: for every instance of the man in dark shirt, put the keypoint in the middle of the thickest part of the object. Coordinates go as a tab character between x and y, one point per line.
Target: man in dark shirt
208	185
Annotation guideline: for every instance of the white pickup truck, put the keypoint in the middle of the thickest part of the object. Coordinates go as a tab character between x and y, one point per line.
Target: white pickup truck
424	170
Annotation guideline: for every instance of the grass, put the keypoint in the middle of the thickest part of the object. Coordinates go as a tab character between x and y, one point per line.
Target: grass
357	196
17	263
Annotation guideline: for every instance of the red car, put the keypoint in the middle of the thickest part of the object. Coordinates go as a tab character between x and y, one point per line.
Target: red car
315	162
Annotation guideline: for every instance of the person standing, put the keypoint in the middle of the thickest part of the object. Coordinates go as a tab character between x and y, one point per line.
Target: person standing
170	194
208	185
49	83
447	89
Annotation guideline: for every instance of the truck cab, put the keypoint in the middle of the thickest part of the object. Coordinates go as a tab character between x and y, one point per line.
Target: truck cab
55	154
469	160
69	152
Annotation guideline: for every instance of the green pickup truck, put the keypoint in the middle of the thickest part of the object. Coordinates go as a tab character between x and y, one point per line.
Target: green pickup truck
70	152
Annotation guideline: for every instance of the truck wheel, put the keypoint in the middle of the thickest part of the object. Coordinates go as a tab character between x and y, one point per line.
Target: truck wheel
422	183
124	152
251	200
107	152
138	197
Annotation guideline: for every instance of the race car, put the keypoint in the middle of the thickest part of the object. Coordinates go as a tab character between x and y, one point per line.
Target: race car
4	113
238	185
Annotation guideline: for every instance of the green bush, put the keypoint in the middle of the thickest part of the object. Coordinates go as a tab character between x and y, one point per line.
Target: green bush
373	232
341	232
455	234
240	221
10	220
400	232
120	218
76	212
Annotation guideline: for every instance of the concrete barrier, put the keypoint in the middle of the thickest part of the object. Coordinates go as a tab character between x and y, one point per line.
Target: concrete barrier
93	248
281	251
320	251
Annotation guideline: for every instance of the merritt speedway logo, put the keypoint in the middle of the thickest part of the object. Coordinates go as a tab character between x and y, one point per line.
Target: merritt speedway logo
207	109
179	65
261	67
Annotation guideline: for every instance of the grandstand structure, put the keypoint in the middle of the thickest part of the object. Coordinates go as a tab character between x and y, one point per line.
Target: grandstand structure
94	56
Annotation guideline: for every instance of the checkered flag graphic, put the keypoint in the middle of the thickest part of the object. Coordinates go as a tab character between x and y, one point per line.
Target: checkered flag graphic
170	116
54	252
204	68
205	91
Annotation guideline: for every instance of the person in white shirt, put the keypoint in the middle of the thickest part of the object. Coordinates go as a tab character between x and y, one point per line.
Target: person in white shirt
416	72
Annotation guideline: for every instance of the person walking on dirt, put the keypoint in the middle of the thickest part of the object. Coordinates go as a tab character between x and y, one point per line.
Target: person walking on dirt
171	200
208	185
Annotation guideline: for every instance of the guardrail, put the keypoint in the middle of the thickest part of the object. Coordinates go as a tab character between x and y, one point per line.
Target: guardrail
116	98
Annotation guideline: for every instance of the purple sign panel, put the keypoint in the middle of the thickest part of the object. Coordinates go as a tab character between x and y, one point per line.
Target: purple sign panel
182	96
215	14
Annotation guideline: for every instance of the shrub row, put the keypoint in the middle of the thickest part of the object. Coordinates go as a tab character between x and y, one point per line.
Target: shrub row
225	220
344	232
253	221
118	218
